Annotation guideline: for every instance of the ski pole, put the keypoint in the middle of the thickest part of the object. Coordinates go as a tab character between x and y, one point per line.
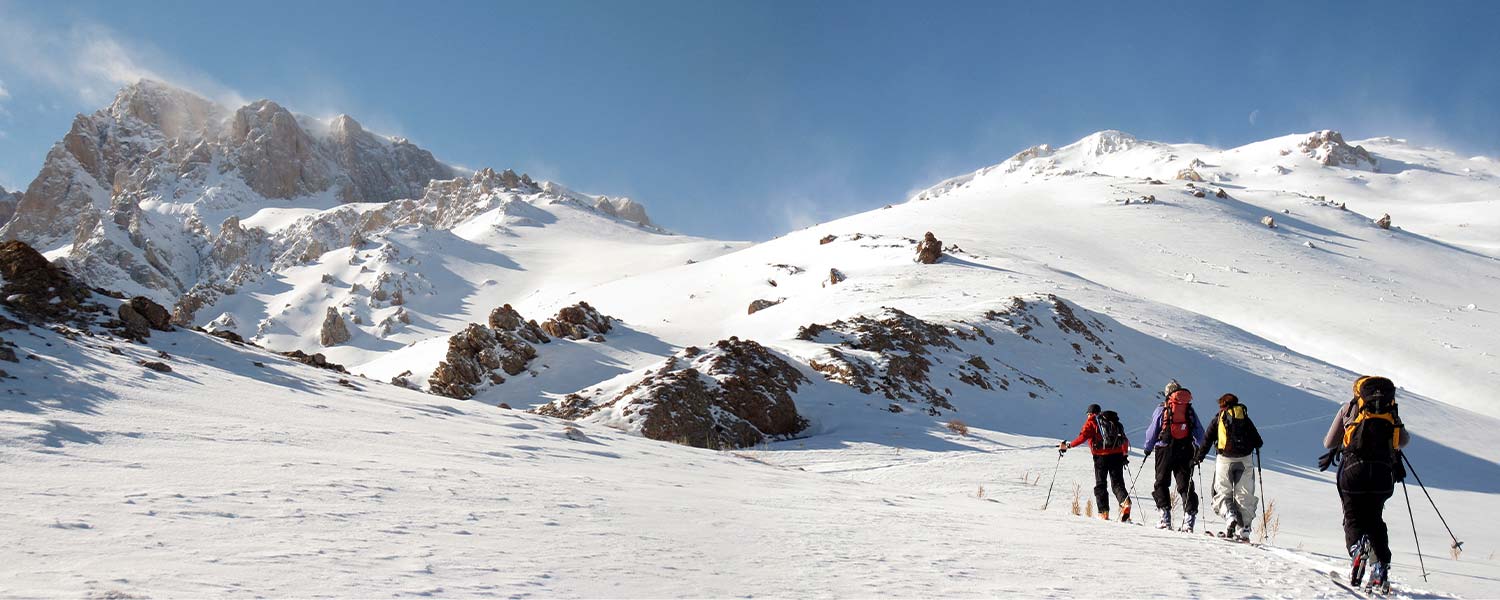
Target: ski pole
1457	545
1136	479
1054	480
1414	537
1261	481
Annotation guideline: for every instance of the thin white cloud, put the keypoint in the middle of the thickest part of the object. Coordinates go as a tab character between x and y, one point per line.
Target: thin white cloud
91	62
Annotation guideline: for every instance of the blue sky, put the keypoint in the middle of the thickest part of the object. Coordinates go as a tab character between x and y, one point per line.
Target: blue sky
746	119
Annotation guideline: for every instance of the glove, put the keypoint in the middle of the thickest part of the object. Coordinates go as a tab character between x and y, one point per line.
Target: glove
1148	454
1062	447
1328	459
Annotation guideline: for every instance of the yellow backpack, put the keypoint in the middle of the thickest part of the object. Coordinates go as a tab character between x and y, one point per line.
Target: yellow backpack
1375	431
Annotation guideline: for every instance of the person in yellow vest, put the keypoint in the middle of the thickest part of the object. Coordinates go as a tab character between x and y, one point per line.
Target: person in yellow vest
1233	436
1368	435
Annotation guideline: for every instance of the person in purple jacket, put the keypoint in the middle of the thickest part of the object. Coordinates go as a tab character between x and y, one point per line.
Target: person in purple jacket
1175	433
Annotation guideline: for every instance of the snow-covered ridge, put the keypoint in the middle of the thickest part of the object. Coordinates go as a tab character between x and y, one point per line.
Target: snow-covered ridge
134	196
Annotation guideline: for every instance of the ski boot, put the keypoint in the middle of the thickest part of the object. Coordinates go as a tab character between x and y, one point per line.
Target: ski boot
1104	514
1244	533
1190	522
1230	532
1379	581
1125	512
1166	520
1360	552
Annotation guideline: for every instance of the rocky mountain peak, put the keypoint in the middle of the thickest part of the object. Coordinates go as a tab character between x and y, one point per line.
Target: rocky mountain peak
176	112
276	157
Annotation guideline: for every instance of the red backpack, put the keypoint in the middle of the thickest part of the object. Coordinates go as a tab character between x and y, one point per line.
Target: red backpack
1177	411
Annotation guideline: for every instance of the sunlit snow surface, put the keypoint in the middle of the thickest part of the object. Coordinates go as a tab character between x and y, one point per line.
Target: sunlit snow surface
225	478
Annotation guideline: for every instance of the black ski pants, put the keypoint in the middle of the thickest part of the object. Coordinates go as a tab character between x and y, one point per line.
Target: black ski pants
1364	486
1175	461
1109	469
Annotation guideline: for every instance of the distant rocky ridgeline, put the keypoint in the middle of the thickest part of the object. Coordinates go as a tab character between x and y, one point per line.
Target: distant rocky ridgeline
194	162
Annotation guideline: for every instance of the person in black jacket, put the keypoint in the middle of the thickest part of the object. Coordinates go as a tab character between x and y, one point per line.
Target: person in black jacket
1233	435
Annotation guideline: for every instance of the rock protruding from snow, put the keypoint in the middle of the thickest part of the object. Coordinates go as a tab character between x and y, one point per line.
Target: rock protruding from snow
1269	221
888	352
509	319
733	394
141	315
929	250
477	353
1329	149
334	331
1384	222
38	290
1189	174
578	322
762	304
624	208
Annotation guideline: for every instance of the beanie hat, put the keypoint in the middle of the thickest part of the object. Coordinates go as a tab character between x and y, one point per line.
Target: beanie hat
1172	386
1094	409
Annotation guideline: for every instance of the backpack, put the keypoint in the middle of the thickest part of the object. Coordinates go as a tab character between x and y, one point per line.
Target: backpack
1234	431
1111	432
1374	434
1177	414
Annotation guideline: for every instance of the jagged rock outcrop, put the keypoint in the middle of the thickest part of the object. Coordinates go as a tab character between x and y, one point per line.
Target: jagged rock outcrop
274	155
37	290
900	343
733	394
506	318
378	169
624	208
1384	222
333	331
578	322
762	304
909	360
929	250
1329	149
141	315
474	356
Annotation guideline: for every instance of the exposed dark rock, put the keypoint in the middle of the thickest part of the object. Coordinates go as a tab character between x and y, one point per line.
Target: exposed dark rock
1384	222
762	304
334	331
835	276
474	355
577	322
506	318
827	239
314	360
159	367
37	290
929	250
732	395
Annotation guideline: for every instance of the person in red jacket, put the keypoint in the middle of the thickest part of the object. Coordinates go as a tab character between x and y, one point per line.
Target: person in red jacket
1106	438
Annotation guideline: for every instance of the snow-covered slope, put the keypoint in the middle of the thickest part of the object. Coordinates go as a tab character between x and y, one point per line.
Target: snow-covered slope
1091	272
240	474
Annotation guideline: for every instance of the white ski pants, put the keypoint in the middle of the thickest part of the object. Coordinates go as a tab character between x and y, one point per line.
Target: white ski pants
1234	489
